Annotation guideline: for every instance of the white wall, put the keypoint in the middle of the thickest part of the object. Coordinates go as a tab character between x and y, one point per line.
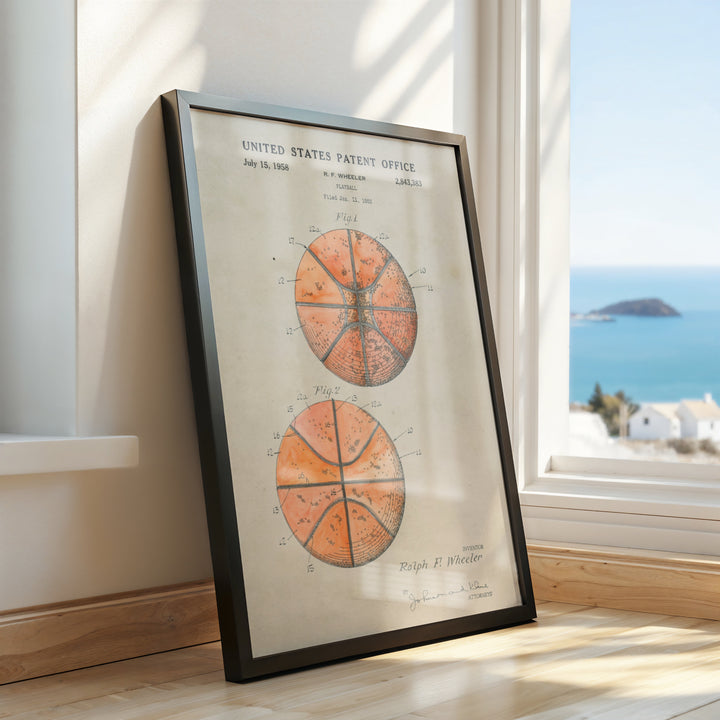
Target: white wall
430	63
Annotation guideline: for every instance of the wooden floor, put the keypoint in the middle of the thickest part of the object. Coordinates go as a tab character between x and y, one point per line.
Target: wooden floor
574	662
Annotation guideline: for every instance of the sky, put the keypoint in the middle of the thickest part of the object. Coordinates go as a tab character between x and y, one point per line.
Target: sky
645	132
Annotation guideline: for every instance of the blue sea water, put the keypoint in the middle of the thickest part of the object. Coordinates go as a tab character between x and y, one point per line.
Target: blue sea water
650	359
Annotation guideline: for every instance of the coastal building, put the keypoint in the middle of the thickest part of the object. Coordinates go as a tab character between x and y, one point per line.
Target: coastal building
688	418
700	418
655	421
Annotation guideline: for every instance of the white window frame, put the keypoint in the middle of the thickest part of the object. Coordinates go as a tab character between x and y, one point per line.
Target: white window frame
623	503
39	379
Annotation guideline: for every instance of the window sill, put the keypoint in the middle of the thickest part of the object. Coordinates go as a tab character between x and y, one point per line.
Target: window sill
671	507
635	487
32	454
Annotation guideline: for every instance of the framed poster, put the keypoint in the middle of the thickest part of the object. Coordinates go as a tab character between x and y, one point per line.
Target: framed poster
358	476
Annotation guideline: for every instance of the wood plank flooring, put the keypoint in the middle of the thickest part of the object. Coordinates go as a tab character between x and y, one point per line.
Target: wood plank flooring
574	663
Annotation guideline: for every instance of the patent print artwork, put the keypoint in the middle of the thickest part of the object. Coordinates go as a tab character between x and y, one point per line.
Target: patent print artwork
359	483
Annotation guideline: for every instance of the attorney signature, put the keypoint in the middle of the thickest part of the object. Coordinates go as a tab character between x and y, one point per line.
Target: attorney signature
474	589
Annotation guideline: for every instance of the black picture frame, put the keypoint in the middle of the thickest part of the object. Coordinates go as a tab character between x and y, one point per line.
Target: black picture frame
227	212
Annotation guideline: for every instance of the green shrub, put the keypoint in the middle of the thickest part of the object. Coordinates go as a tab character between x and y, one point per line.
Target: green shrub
708	446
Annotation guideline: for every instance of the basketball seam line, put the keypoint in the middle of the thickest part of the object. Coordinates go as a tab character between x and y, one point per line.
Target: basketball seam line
339	285
347	306
346	500
354	289
327	460
362	327
359	481
312	449
392	346
374	514
352	264
322	517
371	287
342	482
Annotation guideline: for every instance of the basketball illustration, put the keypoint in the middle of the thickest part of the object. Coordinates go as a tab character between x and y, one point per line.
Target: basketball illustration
340	484
356	307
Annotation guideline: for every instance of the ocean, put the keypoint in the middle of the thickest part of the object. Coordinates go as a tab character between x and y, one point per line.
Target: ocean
650	359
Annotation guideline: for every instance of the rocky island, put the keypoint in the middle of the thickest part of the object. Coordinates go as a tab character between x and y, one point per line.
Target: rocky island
646	307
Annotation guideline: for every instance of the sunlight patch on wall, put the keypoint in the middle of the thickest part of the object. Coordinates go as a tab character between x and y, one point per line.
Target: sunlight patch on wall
412	59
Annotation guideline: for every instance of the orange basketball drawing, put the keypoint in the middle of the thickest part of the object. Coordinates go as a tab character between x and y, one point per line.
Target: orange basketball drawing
340	484
356	307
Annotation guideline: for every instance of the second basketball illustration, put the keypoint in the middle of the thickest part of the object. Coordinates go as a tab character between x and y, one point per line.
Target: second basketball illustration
356	307
340	483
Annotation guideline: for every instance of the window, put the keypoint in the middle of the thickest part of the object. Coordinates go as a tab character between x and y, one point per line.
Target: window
645	262
37	204
571	497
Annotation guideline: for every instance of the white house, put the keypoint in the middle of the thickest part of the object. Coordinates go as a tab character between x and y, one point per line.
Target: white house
700	418
689	418
655	421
